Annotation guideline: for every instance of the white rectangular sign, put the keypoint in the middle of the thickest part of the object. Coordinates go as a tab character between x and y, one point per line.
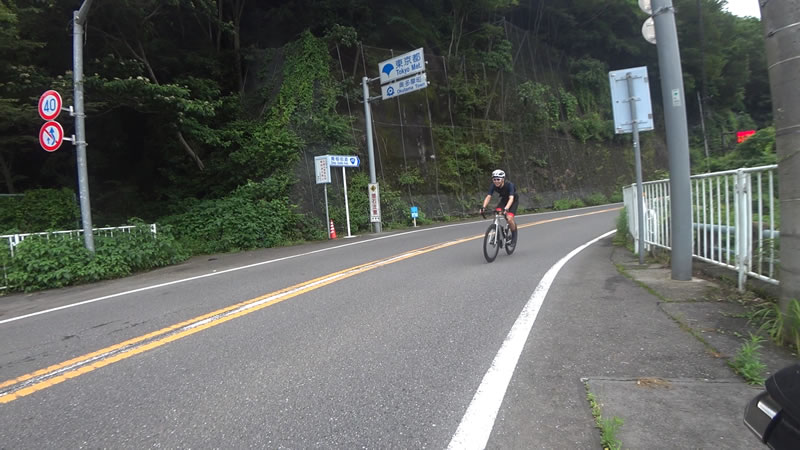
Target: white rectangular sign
343	161
405	86
621	98
374	202
322	169
402	66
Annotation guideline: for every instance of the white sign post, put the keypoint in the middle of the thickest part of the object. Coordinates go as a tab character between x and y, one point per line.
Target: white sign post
343	162
630	98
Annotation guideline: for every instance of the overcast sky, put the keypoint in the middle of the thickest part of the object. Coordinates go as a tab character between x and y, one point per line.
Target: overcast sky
744	8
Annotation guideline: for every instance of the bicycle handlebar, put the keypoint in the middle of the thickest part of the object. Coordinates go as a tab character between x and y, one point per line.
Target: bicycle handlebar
497	212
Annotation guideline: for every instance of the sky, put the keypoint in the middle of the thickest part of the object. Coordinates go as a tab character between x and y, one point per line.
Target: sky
744	8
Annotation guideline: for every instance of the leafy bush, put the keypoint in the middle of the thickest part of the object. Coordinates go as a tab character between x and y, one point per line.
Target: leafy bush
596	199
623	232
44	262
39	210
568	203
256	215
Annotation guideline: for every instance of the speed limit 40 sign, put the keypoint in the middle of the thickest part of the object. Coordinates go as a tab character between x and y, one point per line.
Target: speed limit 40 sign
50	105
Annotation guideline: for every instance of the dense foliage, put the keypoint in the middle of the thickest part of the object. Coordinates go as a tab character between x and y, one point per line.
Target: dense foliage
42	262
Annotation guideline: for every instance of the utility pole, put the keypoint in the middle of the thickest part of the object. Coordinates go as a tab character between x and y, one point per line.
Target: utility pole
673	95
370	152
781	22
78	22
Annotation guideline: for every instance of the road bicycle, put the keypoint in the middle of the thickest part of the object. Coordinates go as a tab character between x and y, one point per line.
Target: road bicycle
497	236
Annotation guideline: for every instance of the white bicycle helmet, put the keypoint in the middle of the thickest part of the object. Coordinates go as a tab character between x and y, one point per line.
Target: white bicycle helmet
498	174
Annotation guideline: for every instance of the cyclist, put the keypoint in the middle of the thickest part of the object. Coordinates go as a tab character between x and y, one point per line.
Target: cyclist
508	200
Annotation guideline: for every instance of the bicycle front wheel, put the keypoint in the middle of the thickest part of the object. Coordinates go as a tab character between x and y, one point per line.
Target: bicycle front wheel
491	244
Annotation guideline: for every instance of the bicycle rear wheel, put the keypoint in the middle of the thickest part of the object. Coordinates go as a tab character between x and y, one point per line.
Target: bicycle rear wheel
491	244
510	245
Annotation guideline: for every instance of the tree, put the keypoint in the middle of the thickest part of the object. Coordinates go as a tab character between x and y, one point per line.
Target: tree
20	83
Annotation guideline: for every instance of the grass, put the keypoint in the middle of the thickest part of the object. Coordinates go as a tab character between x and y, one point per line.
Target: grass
608	427
746	362
782	329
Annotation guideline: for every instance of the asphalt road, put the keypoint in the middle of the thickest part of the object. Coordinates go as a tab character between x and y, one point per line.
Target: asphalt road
397	340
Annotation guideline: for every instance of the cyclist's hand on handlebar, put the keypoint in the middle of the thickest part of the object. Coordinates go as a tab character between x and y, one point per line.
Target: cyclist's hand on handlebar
505	211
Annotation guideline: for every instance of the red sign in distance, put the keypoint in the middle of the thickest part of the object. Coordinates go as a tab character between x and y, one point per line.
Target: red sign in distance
742	136
50	105
51	136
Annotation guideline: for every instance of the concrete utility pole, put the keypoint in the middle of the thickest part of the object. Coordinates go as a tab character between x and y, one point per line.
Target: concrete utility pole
669	66
781	22
370	151
78	21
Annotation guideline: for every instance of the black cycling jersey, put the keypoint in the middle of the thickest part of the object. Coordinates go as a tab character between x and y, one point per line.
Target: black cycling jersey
507	190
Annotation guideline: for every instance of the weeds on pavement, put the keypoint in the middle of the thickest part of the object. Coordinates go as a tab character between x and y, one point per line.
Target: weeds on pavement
608	427
746	362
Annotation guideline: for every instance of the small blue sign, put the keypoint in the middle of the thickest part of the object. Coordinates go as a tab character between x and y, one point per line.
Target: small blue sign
414	212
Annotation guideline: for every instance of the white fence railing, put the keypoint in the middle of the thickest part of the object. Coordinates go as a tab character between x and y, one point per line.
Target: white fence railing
12	240
733	220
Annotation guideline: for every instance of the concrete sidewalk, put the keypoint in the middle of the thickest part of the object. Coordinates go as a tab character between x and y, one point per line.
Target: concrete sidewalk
659	412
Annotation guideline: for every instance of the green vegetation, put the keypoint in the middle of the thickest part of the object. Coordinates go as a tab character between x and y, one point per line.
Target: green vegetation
608	426
746	362
623	235
57	261
781	328
568	203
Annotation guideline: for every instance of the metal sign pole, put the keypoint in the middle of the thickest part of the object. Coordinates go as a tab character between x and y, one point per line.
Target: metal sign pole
638	156
346	207
327	214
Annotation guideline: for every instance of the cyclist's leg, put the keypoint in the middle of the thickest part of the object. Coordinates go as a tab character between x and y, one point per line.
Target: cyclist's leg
511	222
510	216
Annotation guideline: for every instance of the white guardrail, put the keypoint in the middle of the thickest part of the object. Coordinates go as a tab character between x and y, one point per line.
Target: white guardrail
15	239
733	220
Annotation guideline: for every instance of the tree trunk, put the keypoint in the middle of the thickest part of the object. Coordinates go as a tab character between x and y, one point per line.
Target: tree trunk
238	10
6	171
780	21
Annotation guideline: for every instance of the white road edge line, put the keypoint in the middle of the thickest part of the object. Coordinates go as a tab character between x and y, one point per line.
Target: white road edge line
476	426
234	269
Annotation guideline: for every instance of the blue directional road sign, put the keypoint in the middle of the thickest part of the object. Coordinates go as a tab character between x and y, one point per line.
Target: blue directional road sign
404	86
343	161
402	66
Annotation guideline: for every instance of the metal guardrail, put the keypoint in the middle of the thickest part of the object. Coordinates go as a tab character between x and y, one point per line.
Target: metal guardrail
733	220
15	239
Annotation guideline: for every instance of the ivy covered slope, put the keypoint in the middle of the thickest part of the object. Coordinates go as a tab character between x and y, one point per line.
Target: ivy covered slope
206	114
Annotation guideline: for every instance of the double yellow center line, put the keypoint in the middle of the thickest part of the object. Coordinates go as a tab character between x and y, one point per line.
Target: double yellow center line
21	386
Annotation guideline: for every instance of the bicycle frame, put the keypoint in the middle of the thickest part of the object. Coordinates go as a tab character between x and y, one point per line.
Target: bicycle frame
496	237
